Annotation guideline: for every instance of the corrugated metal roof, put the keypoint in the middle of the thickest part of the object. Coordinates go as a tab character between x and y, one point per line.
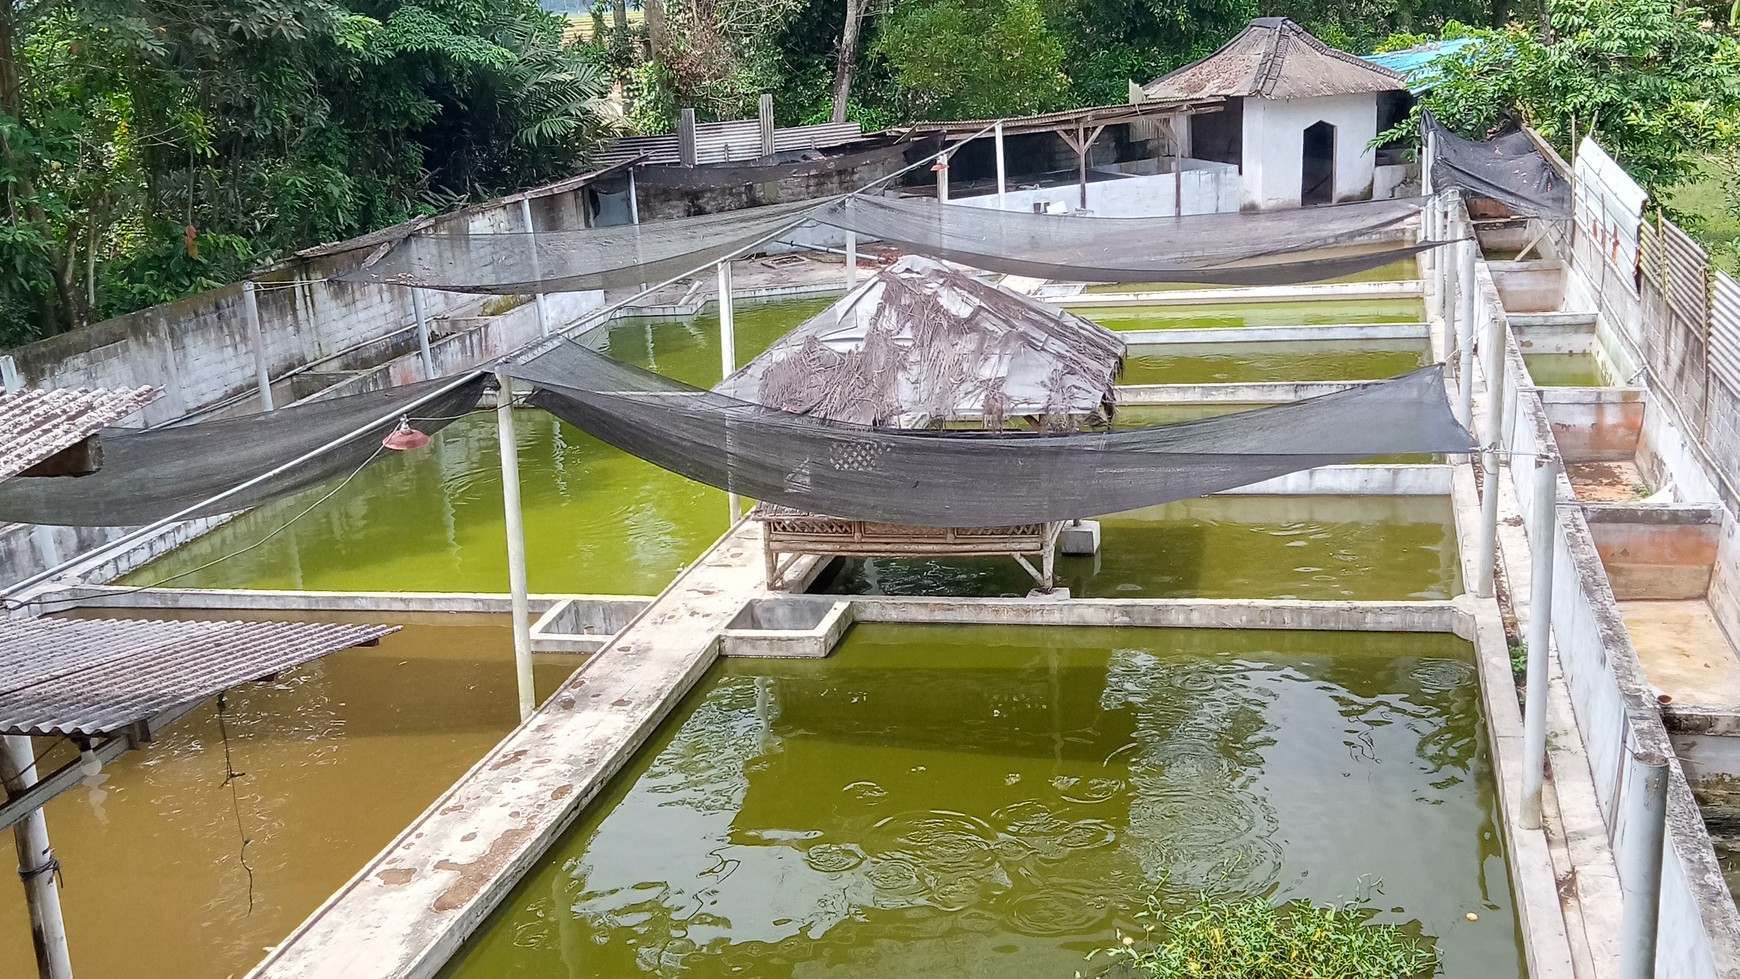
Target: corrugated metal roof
1093	115
1274	58
1419	65
35	424
99	676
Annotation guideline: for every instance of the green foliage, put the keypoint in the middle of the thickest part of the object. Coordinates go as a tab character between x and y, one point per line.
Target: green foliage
155	148
1654	83
1250	938
955	61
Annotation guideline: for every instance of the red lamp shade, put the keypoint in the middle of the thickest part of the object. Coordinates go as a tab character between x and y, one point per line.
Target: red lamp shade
404	437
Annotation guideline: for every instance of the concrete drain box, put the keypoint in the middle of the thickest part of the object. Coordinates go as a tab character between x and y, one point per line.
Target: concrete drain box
787	627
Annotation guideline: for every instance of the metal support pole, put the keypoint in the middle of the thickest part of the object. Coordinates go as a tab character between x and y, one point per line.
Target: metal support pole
1640	865
262	380
516	544
1177	169
1542	548
36	864
942	179
728	351
10	379
537	273
1465	330
851	260
422	334
1002	170
1485	569
633	201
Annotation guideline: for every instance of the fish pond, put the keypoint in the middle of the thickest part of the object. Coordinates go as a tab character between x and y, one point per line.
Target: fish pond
1324	548
973	801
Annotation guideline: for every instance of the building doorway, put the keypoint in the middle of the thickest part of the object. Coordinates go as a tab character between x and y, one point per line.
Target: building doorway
1317	170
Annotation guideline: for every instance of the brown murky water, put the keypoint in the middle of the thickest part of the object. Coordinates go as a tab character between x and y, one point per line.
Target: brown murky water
338	757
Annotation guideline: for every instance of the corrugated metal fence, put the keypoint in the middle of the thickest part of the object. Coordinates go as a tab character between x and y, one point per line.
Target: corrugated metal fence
1674	285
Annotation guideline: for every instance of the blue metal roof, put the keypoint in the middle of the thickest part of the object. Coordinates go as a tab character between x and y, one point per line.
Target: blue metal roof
1417	64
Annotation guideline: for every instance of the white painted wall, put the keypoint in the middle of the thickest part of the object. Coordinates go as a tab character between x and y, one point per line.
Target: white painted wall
1274	136
1209	188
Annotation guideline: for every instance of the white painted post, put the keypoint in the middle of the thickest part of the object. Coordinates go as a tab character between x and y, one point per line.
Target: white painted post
1465	330
728	355
1542	549
516	544
262	380
537	273
851	260
1640	865
422	334
1485	569
942	179
1002	170
36	864
634	214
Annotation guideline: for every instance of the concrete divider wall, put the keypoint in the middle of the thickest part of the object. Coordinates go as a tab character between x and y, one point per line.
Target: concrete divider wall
1699	929
1213	188
200	351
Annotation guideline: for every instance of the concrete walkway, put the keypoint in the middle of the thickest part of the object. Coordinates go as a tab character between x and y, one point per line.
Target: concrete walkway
413	905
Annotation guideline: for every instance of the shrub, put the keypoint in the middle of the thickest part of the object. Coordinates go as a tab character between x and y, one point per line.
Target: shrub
1249	938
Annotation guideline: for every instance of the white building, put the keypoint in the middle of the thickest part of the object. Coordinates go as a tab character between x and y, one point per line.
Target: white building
1300	116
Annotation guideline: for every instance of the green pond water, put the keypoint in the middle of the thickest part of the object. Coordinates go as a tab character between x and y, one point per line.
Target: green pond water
1566	370
1400	271
1241	363
597	519
1317	548
338	757
982	801
1197	316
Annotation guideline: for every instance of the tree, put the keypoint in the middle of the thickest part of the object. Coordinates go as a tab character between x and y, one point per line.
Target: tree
153	148
1651	81
955	61
848	58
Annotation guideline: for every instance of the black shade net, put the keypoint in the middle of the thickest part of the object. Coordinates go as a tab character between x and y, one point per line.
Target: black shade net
810	163
1259	248
943	478
516	263
1507	168
149	475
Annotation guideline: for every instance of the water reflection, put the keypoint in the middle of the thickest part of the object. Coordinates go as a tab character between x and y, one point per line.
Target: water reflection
937	800
597	519
1320	548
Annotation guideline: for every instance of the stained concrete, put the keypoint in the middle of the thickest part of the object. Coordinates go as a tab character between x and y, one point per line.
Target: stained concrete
1684	652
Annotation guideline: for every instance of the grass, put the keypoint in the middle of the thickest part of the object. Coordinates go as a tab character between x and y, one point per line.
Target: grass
1249	938
1711	223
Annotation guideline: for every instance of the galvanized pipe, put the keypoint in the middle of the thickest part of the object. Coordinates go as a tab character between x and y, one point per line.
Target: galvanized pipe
516	544
851	260
1002	171
422	333
1640	865
728	353
262	379
1465	329
36	864
1542	549
537	273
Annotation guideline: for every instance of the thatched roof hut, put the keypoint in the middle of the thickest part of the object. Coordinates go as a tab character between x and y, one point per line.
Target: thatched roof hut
922	344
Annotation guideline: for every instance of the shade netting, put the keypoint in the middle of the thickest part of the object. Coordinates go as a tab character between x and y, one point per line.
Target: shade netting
517	263
149	475
1239	248
1257	248
1507	168
944	478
